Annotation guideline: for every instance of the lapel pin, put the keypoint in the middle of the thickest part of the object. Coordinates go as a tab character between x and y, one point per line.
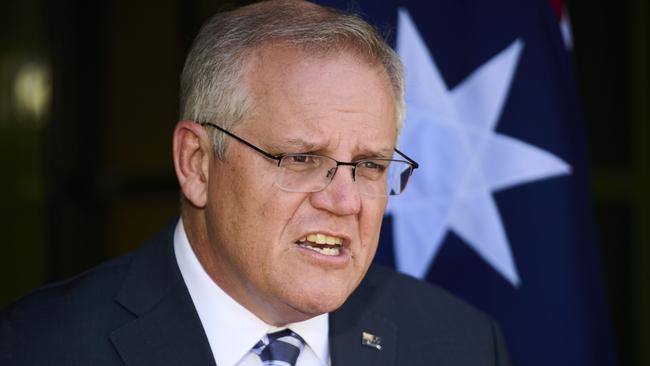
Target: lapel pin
371	340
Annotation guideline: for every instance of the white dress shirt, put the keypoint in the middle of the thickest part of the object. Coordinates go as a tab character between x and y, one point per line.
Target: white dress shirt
231	329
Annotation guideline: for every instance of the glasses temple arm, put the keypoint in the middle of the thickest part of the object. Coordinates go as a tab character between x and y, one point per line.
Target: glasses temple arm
413	162
240	140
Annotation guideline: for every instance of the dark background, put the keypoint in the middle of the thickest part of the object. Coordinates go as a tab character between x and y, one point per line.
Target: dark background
88	102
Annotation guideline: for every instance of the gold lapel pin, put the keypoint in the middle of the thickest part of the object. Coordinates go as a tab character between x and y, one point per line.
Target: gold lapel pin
371	340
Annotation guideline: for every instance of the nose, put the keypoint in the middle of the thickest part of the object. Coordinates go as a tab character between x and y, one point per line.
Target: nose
341	196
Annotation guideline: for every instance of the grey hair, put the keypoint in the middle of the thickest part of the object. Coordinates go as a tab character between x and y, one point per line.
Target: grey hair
213	86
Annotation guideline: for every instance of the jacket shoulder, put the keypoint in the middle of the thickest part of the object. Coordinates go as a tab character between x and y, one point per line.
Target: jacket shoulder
94	288
432	323
70	322
66	318
393	291
93	285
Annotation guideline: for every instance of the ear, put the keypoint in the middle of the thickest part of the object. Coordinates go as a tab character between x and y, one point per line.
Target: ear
192	153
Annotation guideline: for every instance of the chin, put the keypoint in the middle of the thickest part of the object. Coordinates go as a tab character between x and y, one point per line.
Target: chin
317	300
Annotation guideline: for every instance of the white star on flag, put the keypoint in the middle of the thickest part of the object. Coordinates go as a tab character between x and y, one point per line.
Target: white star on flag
463	160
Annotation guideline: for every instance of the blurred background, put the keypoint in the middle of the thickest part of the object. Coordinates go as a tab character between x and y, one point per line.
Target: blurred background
88	102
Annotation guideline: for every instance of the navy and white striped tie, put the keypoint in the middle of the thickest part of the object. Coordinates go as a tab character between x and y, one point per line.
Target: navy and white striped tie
280	348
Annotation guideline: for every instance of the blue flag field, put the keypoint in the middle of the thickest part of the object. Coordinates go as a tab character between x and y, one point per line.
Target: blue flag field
499	212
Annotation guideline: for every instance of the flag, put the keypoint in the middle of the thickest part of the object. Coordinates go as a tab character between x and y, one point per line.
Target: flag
499	211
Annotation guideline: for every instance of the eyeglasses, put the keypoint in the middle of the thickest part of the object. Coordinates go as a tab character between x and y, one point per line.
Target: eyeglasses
304	173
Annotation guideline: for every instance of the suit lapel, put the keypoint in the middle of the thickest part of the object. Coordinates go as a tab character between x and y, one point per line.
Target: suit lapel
166	329
347	325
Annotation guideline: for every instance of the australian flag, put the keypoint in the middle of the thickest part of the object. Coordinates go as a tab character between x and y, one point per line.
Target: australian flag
499	211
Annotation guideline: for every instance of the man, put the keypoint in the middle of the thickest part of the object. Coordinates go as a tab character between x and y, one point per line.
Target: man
285	155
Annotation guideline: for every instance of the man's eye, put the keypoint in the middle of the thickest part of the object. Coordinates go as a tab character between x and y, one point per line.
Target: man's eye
373	166
301	163
301	159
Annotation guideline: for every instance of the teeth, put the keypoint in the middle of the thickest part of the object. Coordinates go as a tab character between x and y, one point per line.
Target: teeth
326	251
323	239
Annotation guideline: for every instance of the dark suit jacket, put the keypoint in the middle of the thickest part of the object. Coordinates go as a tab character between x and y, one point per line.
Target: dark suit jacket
136	310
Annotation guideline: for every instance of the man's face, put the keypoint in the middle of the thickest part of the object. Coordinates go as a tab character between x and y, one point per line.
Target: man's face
332	105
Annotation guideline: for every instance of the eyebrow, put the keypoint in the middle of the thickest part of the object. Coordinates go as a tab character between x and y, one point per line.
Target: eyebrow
298	144
301	145
382	153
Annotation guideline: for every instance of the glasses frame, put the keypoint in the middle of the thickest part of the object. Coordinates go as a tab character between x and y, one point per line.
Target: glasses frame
278	158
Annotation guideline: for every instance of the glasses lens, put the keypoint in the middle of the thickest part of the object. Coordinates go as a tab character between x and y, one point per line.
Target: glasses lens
305	173
373	177
383	177
398	177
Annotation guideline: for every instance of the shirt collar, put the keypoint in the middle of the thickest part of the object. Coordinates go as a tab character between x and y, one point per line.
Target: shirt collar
231	329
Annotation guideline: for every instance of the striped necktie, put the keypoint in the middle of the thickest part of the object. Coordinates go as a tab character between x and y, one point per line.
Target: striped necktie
280	348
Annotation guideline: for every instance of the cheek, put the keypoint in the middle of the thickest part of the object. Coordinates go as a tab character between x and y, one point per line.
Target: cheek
254	192
369	226
370	221
276	208
235	196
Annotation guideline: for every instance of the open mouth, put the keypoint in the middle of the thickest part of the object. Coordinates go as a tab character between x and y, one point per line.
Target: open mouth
321	243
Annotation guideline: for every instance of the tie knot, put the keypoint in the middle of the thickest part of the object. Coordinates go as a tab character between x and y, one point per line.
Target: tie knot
279	348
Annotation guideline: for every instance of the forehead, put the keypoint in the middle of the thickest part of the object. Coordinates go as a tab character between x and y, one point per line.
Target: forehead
337	98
